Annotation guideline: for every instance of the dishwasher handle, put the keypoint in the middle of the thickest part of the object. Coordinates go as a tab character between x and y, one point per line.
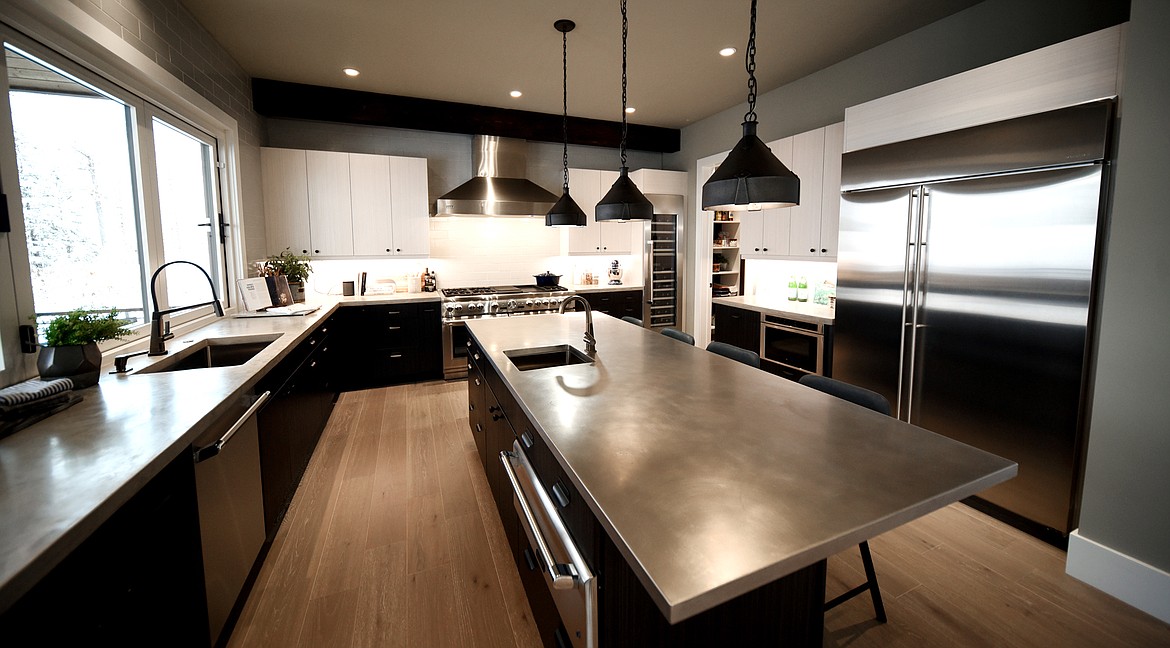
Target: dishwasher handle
209	451
563	575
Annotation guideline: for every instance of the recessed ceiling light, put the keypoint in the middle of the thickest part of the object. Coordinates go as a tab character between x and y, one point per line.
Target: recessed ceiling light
630	109
727	51
351	72
516	93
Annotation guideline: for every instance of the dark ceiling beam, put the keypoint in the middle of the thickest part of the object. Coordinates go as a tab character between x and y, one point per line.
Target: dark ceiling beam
284	100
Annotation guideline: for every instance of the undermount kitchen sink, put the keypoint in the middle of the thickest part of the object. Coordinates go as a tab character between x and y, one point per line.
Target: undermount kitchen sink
212	352
560	355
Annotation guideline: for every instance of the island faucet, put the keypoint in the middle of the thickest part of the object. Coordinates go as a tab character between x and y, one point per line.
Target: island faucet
590	341
158	344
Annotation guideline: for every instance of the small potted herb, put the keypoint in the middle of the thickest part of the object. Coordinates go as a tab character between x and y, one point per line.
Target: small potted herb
294	267
71	349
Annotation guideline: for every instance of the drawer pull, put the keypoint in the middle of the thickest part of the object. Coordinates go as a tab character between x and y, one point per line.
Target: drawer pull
475	355
471	407
395	355
478	427
469	365
560	495
477	383
526	439
496	417
530	559
393	328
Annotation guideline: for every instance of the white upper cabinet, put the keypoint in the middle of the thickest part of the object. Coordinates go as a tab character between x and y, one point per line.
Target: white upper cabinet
808	162
807	230
587	186
330	208
332	204
369	176
831	190
412	225
286	200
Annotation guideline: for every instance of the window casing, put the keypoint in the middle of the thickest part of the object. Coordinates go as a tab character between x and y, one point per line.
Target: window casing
172	208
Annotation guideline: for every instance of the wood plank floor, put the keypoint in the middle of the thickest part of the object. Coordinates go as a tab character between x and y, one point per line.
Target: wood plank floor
393	540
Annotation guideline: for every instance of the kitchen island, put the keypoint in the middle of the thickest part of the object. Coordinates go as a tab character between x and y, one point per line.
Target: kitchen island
713	480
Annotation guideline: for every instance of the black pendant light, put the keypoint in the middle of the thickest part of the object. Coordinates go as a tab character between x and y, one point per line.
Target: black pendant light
624	200
565	212
751	177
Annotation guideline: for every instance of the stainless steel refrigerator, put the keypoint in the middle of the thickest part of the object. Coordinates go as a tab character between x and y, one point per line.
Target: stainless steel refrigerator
965	287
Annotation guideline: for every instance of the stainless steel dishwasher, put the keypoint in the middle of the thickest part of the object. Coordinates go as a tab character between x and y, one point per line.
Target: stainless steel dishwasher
231	505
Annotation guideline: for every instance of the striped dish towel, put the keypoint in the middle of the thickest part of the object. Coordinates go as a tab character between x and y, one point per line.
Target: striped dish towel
35	389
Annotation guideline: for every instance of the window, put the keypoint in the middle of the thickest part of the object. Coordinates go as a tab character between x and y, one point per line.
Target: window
76	171
188	206
110	187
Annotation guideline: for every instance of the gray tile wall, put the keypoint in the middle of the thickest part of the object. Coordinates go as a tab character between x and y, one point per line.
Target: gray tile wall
166	32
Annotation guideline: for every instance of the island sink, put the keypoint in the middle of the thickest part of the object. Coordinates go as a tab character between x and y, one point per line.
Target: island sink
214	352
560	355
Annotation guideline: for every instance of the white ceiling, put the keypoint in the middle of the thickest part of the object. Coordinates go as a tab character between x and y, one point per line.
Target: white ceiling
476	51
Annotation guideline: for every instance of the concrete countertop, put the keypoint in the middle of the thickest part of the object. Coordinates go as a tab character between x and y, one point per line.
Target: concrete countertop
714	478
780	307
62	477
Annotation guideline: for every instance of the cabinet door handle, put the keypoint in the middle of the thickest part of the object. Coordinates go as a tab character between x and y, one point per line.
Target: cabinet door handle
478	427
475	355
529	559
395	355
526	439
393	328
469	365
477	383
471	407
496	417
824	250
493	408
560	495
316	251
812	249
312	364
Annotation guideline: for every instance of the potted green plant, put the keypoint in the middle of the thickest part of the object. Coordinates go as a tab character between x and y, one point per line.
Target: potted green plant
71	349
294	267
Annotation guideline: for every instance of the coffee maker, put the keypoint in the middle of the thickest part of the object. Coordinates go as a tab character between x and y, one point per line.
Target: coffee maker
615	273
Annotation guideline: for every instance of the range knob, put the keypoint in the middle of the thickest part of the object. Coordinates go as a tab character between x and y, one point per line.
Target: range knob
493	306
511	303
458	308
528	302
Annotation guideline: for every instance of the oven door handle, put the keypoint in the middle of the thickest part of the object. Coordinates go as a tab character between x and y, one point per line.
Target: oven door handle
563	575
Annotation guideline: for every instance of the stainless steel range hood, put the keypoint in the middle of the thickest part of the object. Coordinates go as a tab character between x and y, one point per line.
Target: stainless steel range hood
499	187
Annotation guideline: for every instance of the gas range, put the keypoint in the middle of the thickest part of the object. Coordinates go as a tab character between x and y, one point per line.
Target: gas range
501	301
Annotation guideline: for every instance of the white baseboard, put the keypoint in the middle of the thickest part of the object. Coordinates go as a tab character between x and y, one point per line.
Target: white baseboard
1143	586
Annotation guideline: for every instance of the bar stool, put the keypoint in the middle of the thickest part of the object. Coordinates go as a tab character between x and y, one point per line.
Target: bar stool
679	335
879	404
749	358
632	320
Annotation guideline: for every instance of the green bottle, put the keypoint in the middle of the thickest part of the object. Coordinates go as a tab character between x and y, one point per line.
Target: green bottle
802	290
791	288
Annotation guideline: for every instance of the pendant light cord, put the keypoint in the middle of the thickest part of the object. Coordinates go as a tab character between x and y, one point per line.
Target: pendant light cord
751	68
625	32
565	104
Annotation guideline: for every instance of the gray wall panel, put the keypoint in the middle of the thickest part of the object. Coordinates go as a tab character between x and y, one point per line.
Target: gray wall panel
1127	477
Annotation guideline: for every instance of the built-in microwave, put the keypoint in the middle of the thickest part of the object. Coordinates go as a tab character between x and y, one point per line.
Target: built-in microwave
793	348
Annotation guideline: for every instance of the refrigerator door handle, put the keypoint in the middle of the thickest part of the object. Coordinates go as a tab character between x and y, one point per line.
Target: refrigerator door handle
911	257
923	226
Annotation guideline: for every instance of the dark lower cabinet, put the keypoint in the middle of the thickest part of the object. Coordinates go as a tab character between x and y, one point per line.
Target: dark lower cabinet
136	581
387	344
736	326
616	303
292	420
